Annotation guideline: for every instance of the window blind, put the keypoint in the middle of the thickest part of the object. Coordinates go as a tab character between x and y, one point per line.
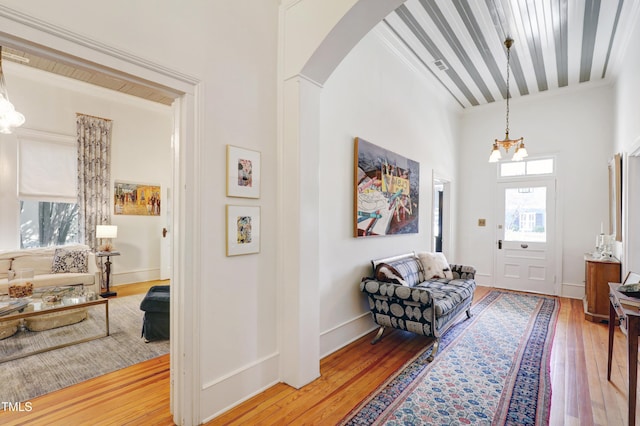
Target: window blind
47	170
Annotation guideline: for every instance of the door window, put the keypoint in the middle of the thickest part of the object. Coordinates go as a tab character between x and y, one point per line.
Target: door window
525	214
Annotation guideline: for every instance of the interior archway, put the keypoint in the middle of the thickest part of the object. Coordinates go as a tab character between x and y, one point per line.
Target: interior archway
300	87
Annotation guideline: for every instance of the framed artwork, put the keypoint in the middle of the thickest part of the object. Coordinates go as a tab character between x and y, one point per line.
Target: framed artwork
243	230
615	197
243	172
386	193
136	199
632	278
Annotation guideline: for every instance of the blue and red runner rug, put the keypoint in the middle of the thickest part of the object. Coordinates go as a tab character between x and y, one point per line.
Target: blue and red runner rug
491	369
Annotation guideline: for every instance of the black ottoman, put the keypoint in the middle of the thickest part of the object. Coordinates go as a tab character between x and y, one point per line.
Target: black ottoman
155	324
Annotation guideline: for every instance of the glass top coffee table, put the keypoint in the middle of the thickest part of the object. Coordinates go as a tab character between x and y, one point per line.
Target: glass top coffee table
50	321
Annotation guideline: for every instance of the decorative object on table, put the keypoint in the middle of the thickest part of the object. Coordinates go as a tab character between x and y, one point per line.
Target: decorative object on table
9	117
21	283
243	230
243	172
615	197
604	246
468	381
11	306
107	271
55	294
106	232
506	143
631	290
136	199
386	193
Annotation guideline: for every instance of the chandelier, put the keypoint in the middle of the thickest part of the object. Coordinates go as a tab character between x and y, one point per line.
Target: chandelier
9	117
507	143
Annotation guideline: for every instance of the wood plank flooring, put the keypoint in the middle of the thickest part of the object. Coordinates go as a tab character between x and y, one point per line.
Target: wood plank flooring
139	395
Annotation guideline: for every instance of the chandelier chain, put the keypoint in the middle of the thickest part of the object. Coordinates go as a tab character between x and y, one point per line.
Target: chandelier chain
508	93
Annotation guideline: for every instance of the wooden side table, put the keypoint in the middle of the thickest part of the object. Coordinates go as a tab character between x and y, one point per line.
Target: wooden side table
598	273
626	309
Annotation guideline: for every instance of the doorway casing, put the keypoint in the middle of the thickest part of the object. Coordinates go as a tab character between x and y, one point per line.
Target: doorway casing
60	44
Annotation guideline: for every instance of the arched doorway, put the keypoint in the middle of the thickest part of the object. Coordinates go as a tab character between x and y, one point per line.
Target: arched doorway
316	35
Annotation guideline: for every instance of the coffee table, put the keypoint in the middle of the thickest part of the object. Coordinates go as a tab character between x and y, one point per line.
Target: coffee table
38	312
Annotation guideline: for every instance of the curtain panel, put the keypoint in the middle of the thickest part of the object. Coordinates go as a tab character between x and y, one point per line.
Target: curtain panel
94	175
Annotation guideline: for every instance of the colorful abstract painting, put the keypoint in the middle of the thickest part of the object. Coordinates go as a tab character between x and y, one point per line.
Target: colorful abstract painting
386	191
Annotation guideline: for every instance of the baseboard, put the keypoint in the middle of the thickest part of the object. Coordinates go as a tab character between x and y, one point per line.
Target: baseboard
345	333
572	291
135	277
224	393
485	280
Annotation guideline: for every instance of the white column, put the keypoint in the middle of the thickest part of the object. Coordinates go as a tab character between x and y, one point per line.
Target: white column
298	202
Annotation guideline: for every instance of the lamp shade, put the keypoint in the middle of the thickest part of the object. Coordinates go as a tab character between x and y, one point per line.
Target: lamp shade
106	231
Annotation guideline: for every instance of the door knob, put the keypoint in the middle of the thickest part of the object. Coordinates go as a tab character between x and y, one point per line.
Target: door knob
524	245
499	244
164	232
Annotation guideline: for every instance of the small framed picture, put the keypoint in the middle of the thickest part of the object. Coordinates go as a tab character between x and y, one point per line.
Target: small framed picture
243	230
243	172
632	278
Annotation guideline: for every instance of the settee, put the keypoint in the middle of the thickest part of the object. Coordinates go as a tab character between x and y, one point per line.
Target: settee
52	266
420	293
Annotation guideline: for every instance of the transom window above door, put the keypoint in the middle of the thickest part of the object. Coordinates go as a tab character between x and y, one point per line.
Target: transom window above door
532	167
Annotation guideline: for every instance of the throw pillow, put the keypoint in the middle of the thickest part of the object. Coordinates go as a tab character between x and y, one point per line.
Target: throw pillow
66	260
388	274
435	265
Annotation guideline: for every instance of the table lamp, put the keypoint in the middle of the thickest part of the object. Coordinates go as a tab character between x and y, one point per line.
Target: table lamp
106	232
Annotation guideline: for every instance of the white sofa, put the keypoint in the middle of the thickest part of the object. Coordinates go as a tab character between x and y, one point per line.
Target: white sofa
41	260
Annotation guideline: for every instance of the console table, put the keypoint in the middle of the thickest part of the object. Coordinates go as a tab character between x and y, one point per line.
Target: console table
598	273
627	310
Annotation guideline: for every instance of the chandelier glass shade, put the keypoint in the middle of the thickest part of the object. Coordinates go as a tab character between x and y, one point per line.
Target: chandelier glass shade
9	117
506	144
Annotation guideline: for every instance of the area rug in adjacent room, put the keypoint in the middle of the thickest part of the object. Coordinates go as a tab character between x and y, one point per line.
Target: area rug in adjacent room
35	375
492	369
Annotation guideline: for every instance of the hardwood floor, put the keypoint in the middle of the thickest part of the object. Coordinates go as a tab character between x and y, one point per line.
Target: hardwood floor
140	394
143	390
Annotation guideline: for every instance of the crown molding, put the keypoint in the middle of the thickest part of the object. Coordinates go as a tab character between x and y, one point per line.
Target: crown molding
19	41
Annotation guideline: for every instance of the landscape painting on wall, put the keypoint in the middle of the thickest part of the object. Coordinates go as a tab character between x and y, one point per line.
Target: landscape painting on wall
136	199
386	195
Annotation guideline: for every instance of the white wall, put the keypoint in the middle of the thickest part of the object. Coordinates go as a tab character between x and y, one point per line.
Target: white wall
231	48
627	142
373	95
575	125
141	153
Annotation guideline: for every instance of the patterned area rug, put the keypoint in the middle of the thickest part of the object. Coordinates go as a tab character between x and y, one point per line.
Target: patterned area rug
26	378
492	369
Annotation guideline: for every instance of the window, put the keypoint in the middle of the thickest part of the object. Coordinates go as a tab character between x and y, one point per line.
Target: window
44	223
47	189
525	214
537	167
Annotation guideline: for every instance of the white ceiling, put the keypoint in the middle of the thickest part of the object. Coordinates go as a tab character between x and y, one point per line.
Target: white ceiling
558	43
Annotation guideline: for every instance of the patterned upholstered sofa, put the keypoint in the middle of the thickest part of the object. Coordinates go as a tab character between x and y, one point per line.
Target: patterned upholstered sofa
400	296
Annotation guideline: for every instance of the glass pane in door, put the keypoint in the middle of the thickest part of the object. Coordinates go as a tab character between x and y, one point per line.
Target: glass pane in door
525	214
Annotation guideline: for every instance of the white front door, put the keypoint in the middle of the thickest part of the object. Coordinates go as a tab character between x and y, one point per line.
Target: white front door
525	259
